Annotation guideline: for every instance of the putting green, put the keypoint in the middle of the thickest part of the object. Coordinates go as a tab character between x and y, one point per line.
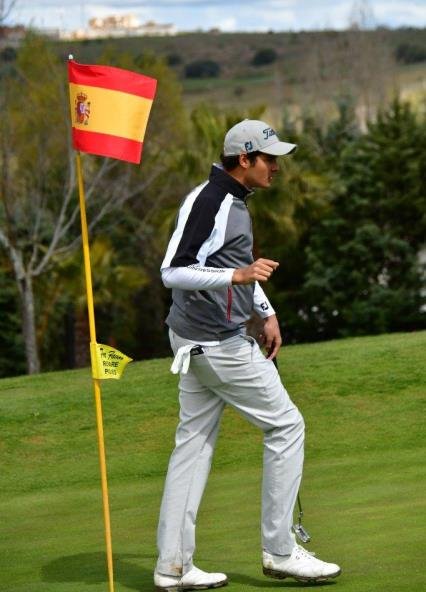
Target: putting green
363	489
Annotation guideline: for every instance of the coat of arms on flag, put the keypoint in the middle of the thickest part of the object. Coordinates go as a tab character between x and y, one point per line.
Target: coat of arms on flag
82	109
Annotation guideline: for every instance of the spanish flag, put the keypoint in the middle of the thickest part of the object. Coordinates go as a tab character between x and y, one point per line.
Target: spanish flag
109	110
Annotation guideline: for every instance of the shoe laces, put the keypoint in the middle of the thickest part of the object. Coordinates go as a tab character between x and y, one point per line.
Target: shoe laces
304	552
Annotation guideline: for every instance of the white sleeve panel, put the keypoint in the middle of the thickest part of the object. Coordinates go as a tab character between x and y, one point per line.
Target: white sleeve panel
261	304
196	277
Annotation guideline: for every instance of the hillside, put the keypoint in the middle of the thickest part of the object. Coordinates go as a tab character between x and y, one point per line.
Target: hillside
363	488
308	69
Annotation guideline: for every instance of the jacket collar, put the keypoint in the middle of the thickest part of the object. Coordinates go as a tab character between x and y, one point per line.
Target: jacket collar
220	177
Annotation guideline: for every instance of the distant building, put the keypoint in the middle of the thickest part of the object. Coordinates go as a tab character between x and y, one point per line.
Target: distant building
153	28
11	36
125	25
121	23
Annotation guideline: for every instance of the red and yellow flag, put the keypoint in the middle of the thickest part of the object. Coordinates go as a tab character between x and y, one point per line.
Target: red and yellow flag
109	110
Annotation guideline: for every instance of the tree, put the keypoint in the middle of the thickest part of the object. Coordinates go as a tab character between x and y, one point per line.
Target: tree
6	8
30	176
114	284
410	53
363	269
8	54
370	74
13	362
202	69
264	56
39	221
357	62
341	131
286	215
387	168
174	59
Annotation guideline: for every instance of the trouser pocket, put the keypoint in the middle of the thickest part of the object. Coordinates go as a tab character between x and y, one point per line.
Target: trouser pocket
204	370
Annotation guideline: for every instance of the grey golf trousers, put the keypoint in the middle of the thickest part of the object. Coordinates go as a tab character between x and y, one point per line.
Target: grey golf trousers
235	373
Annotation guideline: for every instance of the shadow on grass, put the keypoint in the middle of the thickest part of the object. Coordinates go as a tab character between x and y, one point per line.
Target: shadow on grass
91	568
270	583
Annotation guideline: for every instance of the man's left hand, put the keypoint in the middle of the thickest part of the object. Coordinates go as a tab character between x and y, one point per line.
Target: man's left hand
271	336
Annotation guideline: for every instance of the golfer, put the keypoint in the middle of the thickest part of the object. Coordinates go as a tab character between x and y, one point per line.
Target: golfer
216	287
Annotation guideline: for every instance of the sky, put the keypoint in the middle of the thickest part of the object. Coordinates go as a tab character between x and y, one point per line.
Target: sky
228	15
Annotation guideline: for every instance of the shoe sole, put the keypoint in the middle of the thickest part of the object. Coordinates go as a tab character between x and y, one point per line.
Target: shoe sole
181	588
282	575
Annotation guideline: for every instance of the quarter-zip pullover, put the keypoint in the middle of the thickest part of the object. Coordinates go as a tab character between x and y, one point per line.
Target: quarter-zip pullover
212	237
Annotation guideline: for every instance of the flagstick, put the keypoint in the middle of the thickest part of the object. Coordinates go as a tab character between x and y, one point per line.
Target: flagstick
96	382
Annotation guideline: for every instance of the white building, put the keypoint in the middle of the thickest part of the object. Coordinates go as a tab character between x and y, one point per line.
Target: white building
125	25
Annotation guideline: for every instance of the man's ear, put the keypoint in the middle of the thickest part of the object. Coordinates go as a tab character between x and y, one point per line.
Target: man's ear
244	161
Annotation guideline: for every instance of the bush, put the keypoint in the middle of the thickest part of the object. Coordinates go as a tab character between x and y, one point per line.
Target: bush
8	54
264	56
202	69
174	59
409	53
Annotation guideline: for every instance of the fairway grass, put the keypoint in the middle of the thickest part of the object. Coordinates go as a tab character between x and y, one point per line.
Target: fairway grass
362	492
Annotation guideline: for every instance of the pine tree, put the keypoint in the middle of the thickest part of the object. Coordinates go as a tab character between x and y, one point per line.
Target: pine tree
363	265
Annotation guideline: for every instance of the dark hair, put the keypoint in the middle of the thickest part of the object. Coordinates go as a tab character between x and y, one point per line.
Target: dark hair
231	162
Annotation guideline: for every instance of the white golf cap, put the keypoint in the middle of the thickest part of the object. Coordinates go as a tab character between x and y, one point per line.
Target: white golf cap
252	135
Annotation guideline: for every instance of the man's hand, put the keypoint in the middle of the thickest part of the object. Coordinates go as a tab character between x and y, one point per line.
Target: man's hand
260	271
271	336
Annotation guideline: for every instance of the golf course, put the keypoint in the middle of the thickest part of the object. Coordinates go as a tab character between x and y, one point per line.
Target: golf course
363	490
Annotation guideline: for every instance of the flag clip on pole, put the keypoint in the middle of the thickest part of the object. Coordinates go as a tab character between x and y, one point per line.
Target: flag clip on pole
96	380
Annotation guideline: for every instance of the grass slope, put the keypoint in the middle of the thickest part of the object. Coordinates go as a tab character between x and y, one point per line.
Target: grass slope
363	487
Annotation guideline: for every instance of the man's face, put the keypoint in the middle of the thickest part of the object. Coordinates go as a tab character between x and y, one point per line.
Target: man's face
261	173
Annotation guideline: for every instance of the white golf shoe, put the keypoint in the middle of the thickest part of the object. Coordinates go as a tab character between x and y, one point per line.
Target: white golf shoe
194	579
301	565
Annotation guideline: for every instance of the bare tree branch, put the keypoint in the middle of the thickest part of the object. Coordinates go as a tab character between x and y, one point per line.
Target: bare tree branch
5	9
62	227
39	208
15	256
107	166
58	231
115	202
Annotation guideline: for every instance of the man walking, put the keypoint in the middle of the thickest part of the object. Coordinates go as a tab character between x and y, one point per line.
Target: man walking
216	286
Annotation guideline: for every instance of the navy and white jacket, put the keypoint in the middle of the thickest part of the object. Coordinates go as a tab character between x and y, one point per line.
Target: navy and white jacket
213	237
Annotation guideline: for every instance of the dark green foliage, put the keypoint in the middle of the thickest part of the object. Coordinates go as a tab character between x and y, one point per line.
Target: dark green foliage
386	168
12	358
345	217
174	59
341	131
265	56
363	273
360	280
8	54
202	69
36	180
285	216
409	53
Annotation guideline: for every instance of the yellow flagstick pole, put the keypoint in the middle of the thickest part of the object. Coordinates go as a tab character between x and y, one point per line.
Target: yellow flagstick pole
96	382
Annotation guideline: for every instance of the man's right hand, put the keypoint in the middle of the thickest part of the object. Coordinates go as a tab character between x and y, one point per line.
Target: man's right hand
259	271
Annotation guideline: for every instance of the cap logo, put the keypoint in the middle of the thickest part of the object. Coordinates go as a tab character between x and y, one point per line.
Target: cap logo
248	146
268	132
